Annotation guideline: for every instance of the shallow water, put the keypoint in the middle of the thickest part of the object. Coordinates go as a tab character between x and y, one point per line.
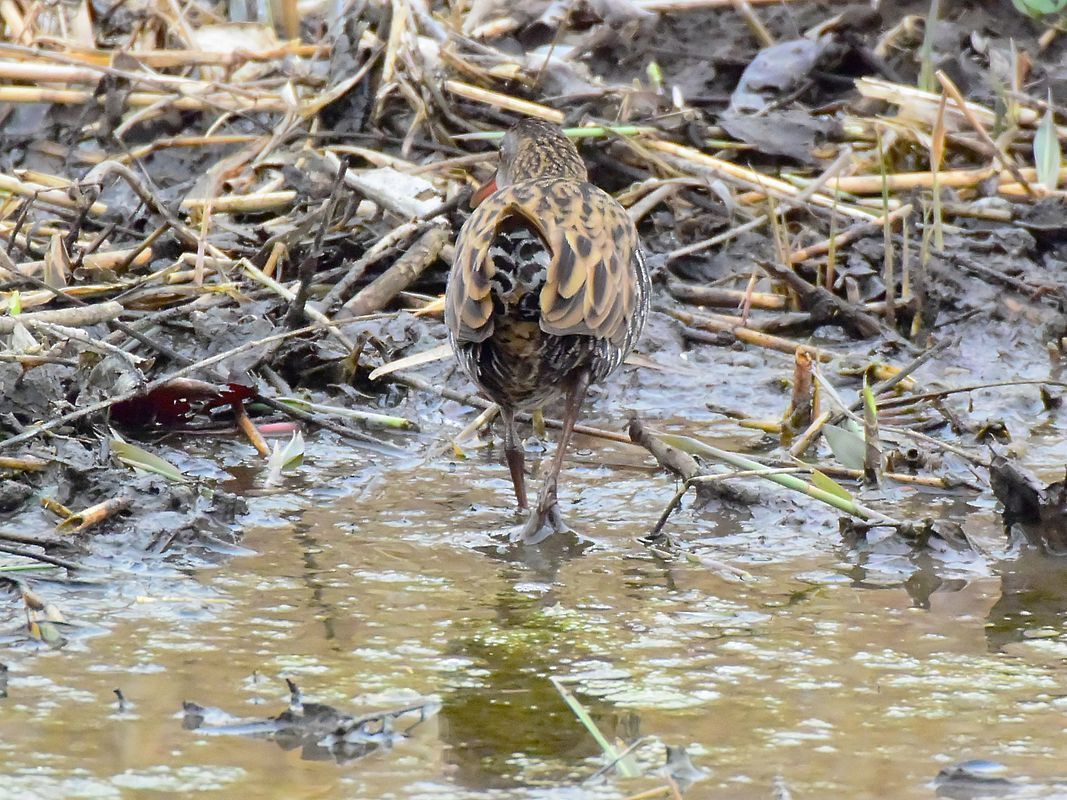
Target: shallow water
835	673
826	671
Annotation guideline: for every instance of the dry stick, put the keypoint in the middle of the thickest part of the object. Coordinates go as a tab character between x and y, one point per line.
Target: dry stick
896	402
42	557
698	294
45	541
783	478
46	194
764	184
117	260
95	514
249	429
63	334
824	305
306	270
982	270
857	231
704	244
25	464
759	30
359	267
107	168
804	441
979	128
81	305
937	444
720	324
398	277
288	294
638	210
79	316
504	101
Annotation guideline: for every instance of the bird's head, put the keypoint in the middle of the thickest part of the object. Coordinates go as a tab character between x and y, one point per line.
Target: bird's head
531	149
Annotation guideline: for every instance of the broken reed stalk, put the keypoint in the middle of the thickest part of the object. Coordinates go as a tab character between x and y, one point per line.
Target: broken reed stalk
872	445
731	325
889	273
77	317
45	194
805	440
704	163
802	399
94	515
640	435
249	429
937	153
504	101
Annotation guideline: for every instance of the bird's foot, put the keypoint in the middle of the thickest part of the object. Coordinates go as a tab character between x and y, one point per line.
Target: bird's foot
545	518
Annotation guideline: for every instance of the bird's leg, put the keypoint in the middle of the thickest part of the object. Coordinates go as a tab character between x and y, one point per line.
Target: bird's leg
514	455
546	513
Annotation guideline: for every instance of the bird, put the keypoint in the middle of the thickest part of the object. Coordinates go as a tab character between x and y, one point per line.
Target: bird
547	294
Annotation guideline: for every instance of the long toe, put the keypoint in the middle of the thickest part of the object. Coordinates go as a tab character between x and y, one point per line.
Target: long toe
542	523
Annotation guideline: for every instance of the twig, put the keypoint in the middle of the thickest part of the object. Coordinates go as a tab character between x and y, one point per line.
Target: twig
979	128
78	317
398	277
44	558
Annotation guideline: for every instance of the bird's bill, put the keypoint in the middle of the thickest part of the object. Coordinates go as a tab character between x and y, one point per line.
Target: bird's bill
483	191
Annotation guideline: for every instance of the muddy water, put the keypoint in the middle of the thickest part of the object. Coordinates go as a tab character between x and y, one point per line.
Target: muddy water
834	673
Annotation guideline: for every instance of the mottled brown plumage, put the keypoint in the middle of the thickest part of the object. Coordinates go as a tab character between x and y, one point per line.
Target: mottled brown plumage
548	290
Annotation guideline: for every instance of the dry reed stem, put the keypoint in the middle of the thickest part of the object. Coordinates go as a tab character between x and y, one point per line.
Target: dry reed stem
94	515
726	298
857	231
924	105
399	276
759	30
504	101
163	59
720	324
242	203
24	464
215	101
78	316
110	260
979	128
249	429
46	194
704	162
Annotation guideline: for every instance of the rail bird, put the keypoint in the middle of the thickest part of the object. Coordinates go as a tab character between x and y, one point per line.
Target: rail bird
547	294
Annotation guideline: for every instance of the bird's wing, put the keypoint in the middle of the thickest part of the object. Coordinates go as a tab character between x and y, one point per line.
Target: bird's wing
591	284
468	304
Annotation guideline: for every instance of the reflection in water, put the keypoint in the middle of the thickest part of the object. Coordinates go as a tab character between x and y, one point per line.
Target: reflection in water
510	715
320	731
1033	599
